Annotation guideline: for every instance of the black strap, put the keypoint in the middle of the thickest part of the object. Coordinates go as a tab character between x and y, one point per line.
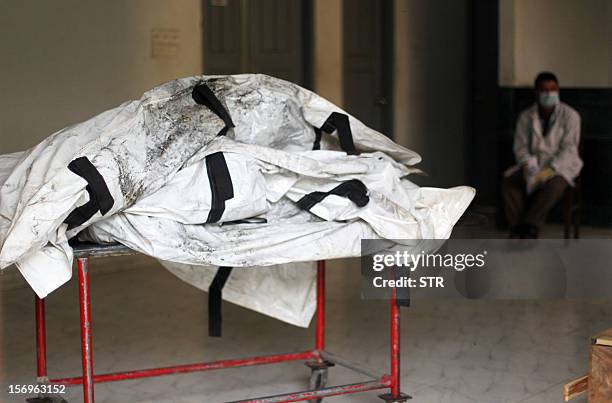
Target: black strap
215	294
252	220
100	198
354	190
203	95
221	186
402	294
337	122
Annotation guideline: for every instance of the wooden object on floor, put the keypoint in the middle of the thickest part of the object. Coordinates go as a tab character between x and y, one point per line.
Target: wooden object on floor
575	387
603	340
598	382
600	368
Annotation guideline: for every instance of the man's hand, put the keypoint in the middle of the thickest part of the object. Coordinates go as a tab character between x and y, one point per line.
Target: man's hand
525	169
530	169
545	174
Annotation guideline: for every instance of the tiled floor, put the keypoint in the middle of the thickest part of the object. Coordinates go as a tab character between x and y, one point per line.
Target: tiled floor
453	351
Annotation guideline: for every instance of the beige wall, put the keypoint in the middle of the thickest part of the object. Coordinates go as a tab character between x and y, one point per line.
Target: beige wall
430	85
63	61
88	57
68	60
572	38
328	50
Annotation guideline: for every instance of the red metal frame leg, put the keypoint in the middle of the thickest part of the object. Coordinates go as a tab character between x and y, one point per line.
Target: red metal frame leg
320	330
395	345
41	340
396	395
319	366
86	345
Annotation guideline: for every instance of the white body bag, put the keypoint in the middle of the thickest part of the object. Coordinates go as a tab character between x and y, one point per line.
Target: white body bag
222	171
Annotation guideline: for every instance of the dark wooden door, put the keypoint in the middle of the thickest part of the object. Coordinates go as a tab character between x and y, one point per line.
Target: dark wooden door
368	61
257	36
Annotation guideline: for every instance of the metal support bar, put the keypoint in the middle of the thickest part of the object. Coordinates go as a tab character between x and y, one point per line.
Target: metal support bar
320	393
355	367
41	340
320	329
86	344
179	369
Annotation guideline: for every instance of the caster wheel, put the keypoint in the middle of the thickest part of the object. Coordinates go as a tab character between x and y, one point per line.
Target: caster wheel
46	399
402	398
318	376
318	380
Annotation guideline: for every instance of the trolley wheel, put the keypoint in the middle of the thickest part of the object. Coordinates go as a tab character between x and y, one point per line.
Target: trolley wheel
46	399
318	380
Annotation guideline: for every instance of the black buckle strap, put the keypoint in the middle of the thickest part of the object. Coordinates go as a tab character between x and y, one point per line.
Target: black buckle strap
353	189
221	186
203	95
100	198
215	294
337	122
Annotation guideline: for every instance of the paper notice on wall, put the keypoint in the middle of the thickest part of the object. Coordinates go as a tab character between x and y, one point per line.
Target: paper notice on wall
165	43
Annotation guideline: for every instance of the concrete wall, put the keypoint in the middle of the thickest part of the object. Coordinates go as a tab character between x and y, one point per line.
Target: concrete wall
572	38
430	85
63	61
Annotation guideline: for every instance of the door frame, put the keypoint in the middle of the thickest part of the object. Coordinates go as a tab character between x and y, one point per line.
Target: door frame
307	17
387	57
387	60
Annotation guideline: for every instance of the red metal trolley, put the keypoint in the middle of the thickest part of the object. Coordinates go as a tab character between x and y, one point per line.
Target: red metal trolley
318	359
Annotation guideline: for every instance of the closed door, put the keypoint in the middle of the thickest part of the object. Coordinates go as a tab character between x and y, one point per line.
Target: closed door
368	67
257	36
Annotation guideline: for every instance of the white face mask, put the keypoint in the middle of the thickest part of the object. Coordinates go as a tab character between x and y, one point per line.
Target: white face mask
548	99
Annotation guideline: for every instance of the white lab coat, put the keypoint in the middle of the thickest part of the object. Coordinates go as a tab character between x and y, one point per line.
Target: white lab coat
558	149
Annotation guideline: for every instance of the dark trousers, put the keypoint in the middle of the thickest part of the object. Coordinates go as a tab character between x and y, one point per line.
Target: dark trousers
533	209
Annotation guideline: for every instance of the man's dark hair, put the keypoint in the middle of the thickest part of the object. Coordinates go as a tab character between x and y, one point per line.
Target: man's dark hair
545	76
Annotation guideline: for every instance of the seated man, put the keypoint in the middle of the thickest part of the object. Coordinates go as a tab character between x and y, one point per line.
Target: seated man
546	151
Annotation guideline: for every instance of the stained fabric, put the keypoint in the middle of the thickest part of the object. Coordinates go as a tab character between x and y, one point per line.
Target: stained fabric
196	200
204	96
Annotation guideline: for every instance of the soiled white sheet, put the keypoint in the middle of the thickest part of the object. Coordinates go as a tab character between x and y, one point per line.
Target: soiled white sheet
152	155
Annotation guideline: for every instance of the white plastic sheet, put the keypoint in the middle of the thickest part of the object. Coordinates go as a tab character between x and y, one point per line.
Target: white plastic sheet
152	155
